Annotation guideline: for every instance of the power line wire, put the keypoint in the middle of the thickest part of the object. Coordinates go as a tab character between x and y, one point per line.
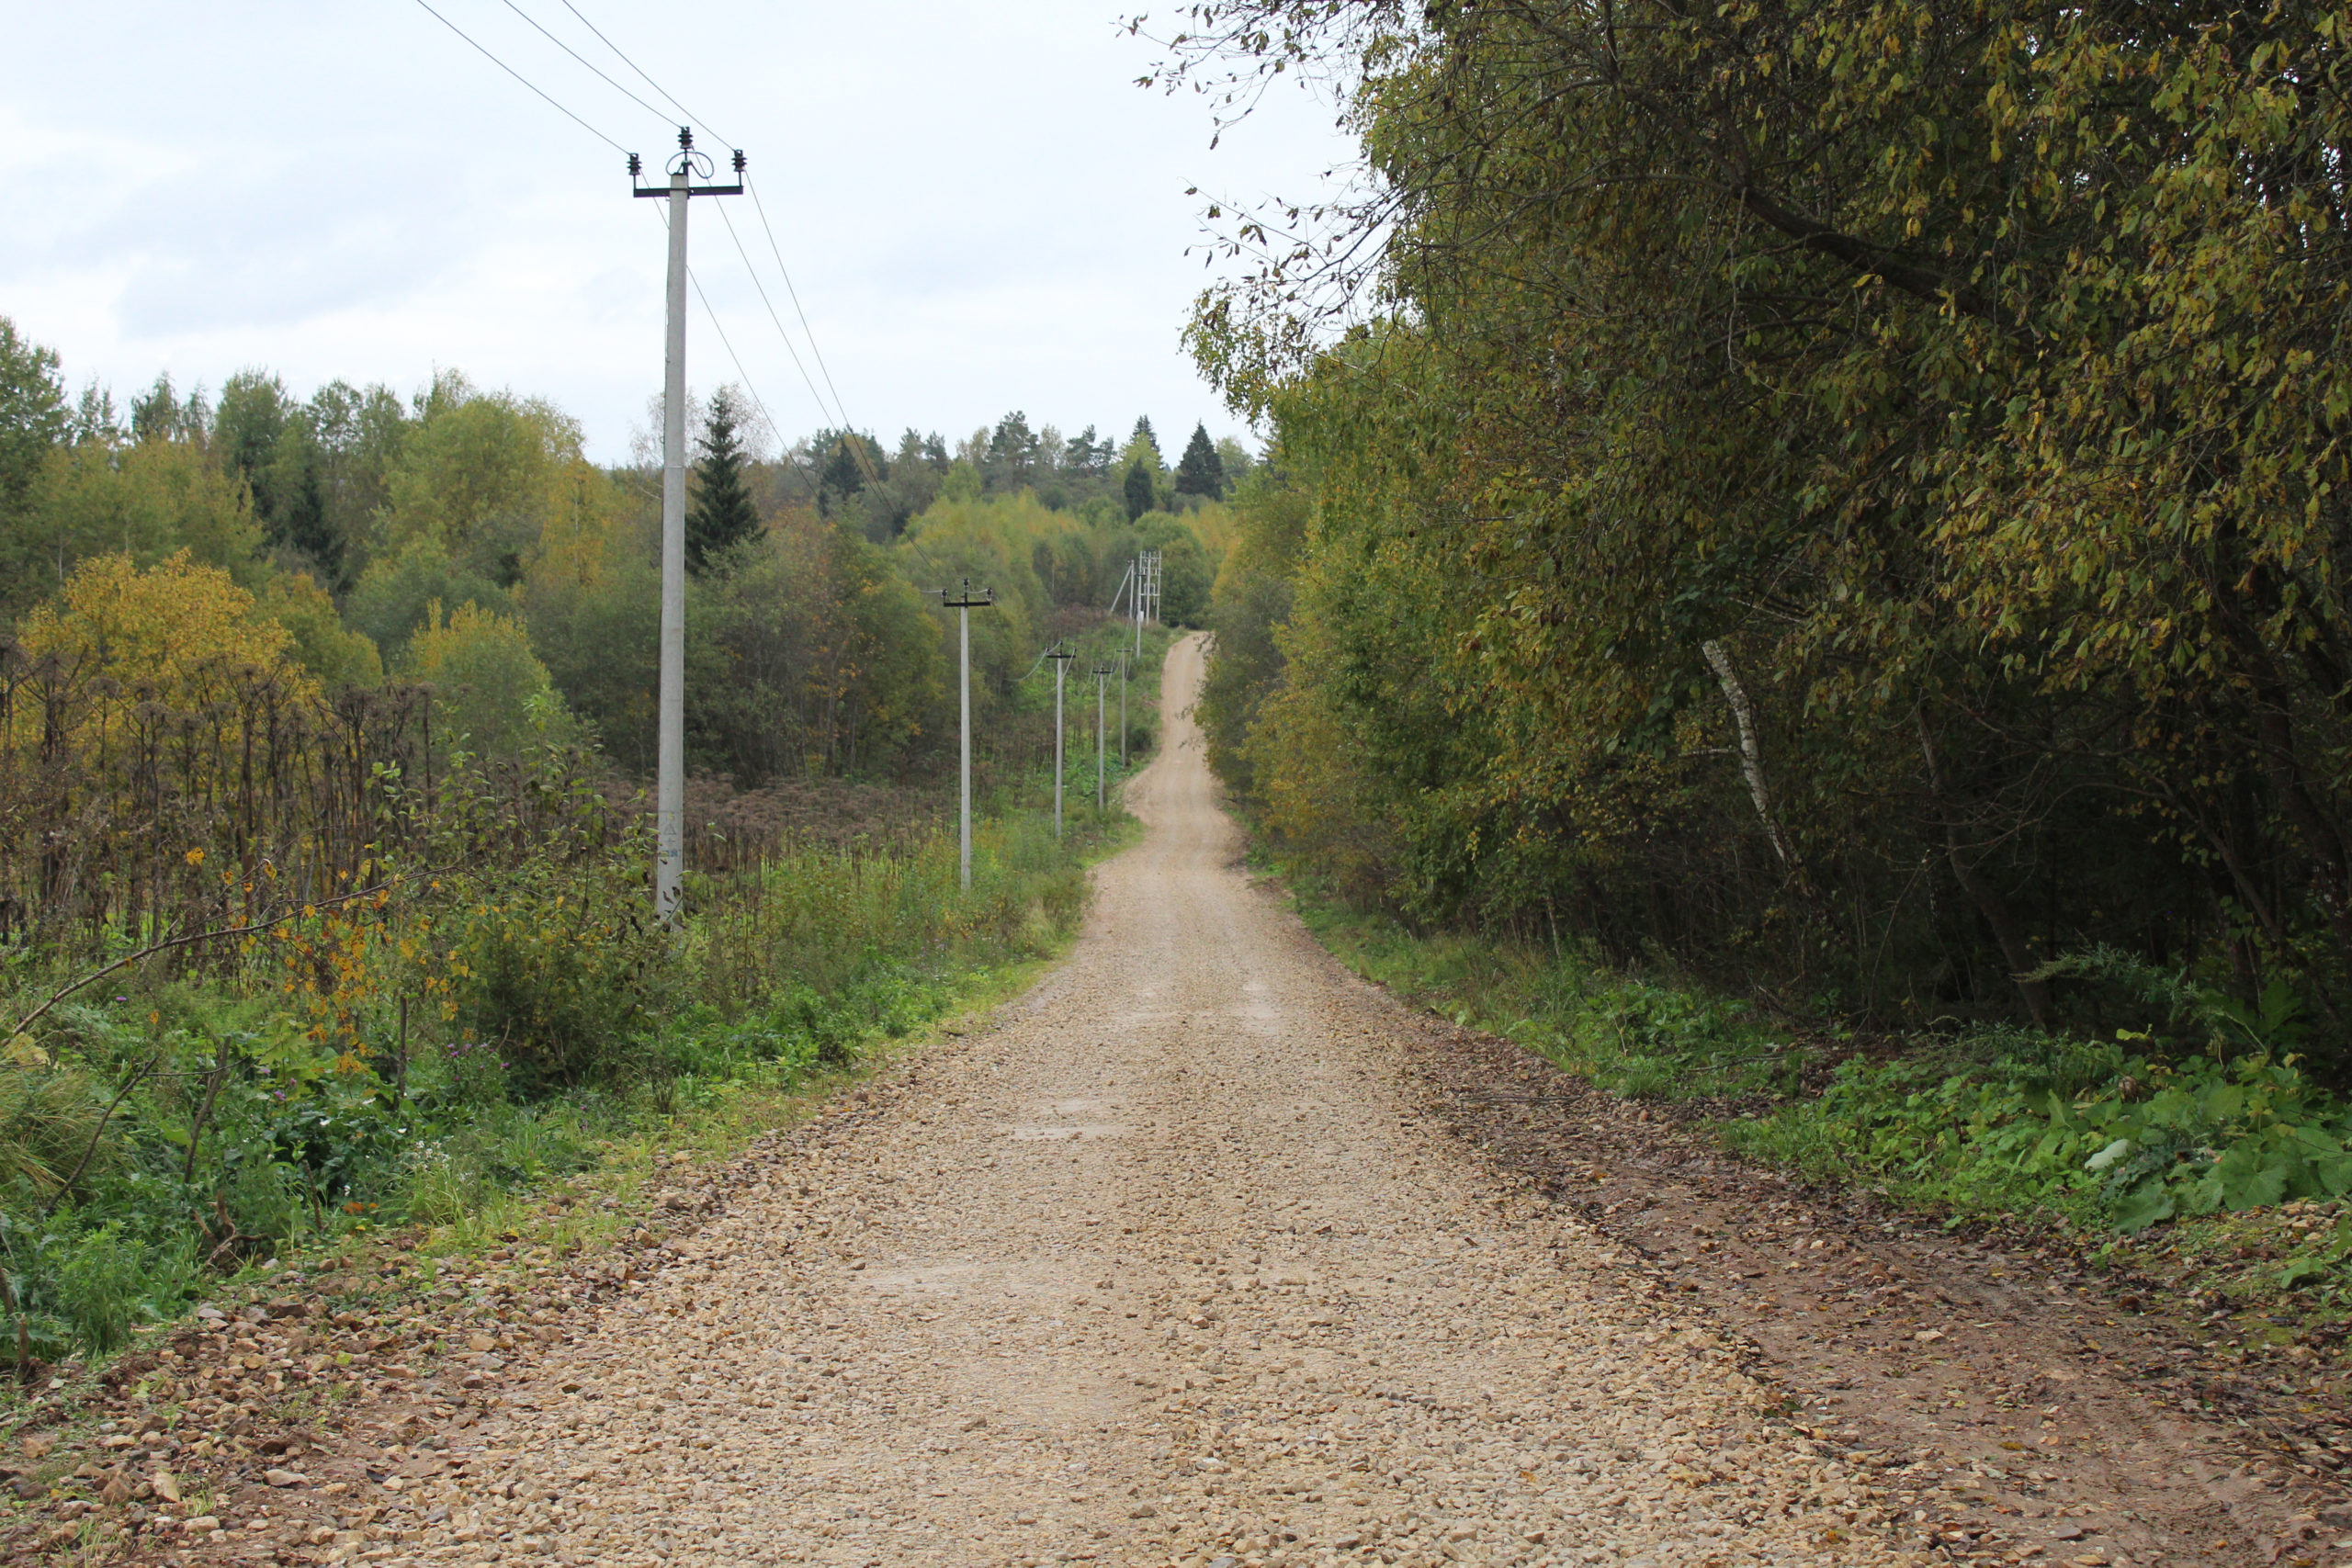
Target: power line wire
761	208
575	55
838	415
525	79
833	415
749	385
633	65
840	410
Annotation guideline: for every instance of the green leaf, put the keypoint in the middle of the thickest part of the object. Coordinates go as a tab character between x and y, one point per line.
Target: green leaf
2333	1174
2144	1206
2299	1269
2201	1196
2251	1176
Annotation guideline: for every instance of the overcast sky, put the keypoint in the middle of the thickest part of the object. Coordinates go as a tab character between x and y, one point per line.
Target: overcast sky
979	210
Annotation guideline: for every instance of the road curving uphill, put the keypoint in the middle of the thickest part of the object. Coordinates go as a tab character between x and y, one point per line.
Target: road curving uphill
1163	1269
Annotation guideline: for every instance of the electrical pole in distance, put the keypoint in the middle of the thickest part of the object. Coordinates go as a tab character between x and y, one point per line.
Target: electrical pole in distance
1061	656
686	167
1102	680
964	600
1123	710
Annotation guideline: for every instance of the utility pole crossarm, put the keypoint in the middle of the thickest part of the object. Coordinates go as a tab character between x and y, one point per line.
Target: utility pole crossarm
696	163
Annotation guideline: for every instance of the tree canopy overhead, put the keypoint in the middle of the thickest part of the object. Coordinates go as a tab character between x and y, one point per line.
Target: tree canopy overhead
1845	466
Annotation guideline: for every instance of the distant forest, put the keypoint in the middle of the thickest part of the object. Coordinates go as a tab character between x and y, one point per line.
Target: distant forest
167	547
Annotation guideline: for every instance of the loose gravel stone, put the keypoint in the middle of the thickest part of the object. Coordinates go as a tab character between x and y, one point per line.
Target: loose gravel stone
1160	1270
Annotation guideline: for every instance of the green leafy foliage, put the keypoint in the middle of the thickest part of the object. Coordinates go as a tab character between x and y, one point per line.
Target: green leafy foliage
32	419
2000	1123
1845	495
1136	490
491	695
383	942
2145	1142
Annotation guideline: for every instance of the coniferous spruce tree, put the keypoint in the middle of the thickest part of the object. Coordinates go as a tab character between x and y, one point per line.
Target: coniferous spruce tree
722	515
1201	471
1139	490
303	521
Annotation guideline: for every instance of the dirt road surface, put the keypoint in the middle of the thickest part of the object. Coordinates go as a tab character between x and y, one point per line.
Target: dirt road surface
1168	1267
1164	1269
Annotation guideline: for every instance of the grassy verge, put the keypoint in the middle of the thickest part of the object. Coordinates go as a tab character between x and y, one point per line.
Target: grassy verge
2202	1168
174	1132
506	1209
496	1277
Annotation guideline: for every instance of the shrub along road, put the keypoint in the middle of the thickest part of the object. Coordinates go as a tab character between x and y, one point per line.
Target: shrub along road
1174	1264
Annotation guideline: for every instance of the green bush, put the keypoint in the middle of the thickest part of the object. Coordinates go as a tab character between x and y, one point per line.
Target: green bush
457	1169
2220	1115
544	1015
73	1288
2143	1141
48	1124
551	971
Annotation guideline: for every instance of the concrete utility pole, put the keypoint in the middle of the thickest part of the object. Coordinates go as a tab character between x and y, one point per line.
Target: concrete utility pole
1123	710
1061	656
1102	680
1135	605
670	753
1125	585
964	601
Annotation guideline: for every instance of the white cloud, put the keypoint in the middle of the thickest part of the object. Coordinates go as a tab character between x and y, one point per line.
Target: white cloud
980	210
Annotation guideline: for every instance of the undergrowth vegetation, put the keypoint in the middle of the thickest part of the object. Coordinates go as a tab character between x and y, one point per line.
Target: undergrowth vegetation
486	1012
324	856
2210	1113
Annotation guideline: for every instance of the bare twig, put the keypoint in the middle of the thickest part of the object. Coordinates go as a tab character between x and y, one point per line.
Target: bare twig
312	906
99	1131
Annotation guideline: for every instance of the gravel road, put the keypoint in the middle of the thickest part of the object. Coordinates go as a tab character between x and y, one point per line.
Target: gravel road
1161	1269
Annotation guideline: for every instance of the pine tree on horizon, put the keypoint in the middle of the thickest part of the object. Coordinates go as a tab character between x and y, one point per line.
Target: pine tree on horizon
722	515
1142	432
1201	471
1137	490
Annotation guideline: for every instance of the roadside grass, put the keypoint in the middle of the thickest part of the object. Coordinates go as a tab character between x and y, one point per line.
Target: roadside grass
796	976
1638	1037
2203	1171
542	1187
466	1202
